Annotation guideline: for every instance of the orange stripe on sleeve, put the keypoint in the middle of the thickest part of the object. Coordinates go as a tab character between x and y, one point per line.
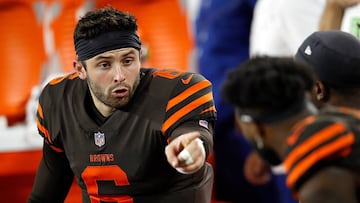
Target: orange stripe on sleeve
212	108
40	111
43	130
309	144
297	129
188	92
186	109
56	149
340	144
47	136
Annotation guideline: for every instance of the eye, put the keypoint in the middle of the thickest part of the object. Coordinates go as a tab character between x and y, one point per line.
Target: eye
104	65
127	61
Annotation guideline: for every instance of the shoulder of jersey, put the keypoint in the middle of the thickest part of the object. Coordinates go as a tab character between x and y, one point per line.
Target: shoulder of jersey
184	77
318	126
191	78
321	142
57	86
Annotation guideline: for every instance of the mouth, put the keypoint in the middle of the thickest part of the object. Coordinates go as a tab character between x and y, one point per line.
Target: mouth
120	92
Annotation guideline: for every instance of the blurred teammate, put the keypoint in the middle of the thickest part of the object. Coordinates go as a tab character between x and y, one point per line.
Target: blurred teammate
335	57
127	134
319	152
333	15
222	41
277	29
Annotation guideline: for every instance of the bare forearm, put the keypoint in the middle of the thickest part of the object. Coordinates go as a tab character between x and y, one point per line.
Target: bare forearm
332	16
333	13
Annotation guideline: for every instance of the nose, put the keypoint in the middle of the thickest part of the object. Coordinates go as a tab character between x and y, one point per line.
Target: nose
118	74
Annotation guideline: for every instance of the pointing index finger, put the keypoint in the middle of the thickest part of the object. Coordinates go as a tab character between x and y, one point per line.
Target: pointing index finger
188	138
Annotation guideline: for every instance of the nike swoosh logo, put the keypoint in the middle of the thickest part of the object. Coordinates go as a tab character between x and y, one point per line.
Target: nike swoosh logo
187	80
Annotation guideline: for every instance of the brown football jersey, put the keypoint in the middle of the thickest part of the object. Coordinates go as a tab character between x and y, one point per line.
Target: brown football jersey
330	139
122	159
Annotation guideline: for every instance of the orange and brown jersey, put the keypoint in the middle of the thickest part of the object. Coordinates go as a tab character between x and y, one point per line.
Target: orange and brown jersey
122	159
330	139
191	99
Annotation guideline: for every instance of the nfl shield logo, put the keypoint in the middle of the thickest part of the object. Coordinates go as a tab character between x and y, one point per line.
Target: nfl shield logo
99	139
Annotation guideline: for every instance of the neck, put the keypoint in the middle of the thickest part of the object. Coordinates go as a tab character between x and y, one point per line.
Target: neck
283	129
104	109
345	101
353	104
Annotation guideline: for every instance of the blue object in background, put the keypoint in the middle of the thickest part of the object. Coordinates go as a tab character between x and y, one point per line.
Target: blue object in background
222	30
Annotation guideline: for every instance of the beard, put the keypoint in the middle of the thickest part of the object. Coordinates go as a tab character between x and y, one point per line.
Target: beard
106	97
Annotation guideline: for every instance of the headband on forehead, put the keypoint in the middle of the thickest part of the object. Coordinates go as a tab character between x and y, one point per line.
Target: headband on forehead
272	116
88	48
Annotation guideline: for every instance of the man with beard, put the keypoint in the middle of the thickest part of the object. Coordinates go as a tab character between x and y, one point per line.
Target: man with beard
128	134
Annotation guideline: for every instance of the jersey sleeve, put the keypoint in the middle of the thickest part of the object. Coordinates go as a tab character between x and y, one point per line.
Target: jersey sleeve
53	178
205	130
47	117
319	145
191	99
54	175
42	127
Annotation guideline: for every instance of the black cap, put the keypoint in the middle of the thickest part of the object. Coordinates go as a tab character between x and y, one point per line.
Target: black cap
335	56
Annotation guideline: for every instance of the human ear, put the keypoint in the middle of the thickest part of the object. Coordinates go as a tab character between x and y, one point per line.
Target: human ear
79	68
247	127
320	91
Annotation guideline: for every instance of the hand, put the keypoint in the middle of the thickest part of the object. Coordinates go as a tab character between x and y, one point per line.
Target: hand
256	170
186	153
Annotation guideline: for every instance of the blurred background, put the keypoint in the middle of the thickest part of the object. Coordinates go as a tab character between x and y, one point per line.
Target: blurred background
206	36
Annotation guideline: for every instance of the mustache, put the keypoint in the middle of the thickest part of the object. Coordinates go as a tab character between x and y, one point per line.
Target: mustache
120	86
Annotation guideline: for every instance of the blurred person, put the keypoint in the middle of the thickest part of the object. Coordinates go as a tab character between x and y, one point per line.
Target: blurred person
335	57
319	151
108	124
278	29
279	26
272	31
341	50
222	31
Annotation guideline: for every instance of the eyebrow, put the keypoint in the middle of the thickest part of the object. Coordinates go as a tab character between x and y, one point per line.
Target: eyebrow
128	52
97	58
109	57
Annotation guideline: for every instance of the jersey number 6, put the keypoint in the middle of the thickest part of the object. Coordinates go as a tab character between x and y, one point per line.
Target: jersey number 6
105	173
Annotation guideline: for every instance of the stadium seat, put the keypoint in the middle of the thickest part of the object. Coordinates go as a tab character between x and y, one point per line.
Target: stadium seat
21	56
62	26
